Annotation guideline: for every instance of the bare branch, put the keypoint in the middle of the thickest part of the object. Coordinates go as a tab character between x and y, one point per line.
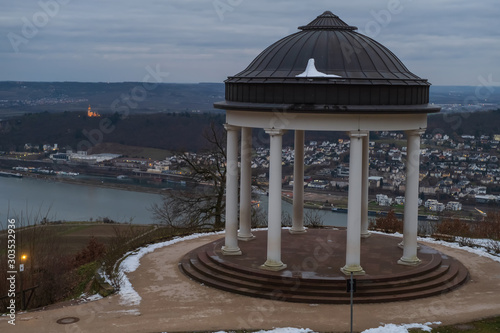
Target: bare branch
203	205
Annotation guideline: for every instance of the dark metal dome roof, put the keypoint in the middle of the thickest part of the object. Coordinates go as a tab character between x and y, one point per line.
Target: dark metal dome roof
326	63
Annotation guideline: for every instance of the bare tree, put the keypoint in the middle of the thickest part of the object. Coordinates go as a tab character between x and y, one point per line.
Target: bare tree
313	219
201	205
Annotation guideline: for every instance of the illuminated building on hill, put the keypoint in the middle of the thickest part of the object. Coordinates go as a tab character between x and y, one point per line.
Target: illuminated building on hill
90	113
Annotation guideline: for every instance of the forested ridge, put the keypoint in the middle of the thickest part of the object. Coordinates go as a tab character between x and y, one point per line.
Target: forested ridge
182	131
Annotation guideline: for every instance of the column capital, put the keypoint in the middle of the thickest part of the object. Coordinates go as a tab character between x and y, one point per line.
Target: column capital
274	131
358	134
230	127
415	132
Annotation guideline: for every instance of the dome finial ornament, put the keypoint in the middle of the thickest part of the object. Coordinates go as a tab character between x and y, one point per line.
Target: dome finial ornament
328	21
311	71
328	13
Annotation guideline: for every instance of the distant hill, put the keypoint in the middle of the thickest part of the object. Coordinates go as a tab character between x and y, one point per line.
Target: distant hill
182	131
17	98
471	123
464	94
174	131
31	97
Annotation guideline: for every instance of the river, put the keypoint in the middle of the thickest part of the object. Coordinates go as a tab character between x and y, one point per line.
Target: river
29	200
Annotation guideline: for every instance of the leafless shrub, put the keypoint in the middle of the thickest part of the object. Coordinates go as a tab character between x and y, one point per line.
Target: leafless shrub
454	227
493	246
389	223
466	241
258	218
426	228
286	219
489	227
313	219
92	252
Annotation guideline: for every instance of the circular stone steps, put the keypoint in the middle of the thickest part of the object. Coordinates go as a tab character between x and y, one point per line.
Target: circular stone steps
313	269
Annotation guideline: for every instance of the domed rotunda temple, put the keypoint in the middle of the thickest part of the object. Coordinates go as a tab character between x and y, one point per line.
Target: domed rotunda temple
325	77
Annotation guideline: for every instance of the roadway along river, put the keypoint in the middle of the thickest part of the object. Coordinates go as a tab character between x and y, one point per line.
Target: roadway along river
29	200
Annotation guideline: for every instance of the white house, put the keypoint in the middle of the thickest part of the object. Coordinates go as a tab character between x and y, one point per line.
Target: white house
400	200
434	205
383	200
454	205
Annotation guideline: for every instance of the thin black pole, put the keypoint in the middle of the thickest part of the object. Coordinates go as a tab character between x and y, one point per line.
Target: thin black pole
352	299
23	297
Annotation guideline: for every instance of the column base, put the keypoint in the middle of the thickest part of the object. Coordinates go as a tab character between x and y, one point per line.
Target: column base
402	245
409	261
246	238
297	231
231	251
366	234
354	269
271	265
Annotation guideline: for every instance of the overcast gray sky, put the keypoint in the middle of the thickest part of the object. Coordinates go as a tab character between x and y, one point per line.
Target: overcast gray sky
449	42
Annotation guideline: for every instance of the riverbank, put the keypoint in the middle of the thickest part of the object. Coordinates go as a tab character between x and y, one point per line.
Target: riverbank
97	181
335	201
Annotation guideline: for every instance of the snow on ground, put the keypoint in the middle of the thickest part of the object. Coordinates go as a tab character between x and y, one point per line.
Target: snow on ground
288	330
391	328
388	328
105	276
480	250
91	298
132	261
128	295
131	312
282	330
84	298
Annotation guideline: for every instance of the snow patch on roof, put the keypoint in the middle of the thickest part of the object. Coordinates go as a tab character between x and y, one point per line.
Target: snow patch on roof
311	71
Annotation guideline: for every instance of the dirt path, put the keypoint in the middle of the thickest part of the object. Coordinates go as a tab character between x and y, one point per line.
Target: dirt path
172	302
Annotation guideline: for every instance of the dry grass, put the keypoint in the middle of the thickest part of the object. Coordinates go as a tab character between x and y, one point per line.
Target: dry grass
57	254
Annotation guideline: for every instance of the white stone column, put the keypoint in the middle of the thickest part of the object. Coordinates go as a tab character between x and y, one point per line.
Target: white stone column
353	246
245	233
231	238
364	187
298	185
273	261
410	227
